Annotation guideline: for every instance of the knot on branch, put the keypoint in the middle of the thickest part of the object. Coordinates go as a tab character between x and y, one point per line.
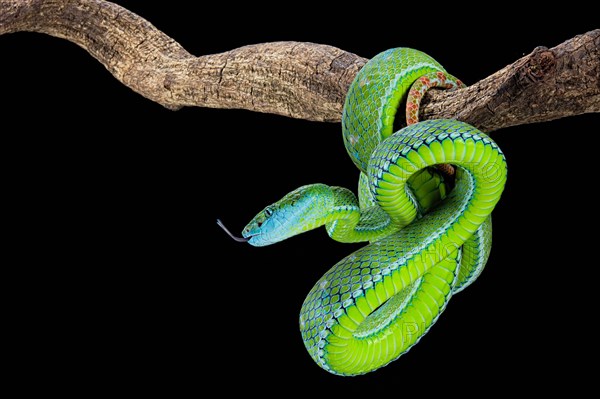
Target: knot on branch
541	64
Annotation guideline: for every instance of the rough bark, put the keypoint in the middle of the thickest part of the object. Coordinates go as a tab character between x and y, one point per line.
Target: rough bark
544	85
302	80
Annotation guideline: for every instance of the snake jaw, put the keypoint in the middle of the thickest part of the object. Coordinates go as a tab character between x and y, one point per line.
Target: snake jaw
248	235
255	236
251	232
259	231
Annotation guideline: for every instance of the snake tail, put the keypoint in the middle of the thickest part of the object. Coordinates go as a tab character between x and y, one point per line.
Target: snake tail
386	82
420	86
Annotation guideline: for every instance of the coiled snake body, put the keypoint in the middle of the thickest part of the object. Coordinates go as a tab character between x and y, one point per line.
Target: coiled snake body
429	236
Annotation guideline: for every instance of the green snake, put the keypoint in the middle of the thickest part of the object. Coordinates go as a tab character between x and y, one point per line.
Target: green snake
429	233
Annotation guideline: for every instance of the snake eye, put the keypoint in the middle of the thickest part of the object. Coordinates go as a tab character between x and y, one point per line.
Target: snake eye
268	212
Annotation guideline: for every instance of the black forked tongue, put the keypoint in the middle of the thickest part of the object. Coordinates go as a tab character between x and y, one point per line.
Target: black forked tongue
238	239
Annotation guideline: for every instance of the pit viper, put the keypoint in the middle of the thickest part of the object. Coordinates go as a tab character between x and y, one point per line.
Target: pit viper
429	233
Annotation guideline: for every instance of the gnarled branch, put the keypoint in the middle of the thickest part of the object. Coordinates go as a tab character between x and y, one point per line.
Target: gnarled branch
302	80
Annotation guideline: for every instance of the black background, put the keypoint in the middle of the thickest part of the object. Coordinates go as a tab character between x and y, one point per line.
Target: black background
118	197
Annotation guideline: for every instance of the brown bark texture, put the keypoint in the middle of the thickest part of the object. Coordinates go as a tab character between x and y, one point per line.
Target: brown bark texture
303	80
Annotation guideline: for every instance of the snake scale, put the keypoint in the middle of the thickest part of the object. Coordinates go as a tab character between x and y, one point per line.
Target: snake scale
429	233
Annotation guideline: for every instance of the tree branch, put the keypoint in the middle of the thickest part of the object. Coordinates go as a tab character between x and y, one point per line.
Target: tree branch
302	80
544	85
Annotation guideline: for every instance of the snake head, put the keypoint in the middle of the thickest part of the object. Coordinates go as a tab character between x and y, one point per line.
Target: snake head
301	210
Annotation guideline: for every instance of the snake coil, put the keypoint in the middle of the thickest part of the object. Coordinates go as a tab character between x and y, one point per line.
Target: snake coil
429	234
